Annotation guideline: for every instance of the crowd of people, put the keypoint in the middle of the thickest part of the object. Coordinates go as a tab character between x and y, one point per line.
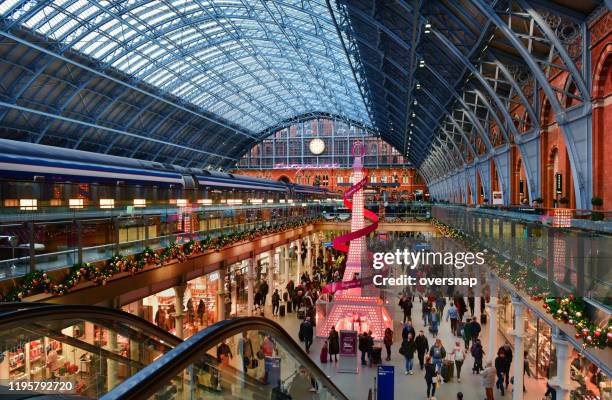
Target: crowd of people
439	362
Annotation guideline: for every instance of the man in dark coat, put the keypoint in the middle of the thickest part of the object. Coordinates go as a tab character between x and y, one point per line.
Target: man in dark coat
422	346
507	351
476	328
334	343
307	333
406	305
363	346
370	346
408	329
263	288
275	302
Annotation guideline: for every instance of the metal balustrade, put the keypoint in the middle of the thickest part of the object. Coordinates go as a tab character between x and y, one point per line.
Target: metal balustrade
47	245
570	260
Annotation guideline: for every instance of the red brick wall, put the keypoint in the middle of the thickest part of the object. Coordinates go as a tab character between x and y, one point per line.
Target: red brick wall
415	181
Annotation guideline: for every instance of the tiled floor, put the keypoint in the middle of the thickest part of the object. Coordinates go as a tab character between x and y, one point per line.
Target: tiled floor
356	386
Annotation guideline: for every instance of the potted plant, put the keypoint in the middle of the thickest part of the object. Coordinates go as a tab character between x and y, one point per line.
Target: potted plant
597	202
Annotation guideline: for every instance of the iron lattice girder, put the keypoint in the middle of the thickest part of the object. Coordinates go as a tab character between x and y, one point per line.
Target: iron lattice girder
290	30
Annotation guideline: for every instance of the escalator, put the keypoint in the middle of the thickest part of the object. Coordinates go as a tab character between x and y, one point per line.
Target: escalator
97	352
211	365
88	350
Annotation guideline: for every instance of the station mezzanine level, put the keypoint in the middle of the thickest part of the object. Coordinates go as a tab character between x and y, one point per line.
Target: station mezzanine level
226	278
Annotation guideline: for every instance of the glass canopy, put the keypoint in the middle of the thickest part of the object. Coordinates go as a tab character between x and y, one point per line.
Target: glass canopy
252	63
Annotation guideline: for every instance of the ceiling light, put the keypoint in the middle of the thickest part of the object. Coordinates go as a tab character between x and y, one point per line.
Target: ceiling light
421	63
418	85
415	102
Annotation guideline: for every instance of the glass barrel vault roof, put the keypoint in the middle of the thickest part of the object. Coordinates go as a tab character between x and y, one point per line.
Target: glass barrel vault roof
253	63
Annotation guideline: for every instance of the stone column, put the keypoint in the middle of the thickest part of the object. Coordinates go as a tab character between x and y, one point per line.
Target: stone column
270	277
179	297
286	263
299	261
317	247
493	322
112	369
250	278
309	256
477	305
562	382
221	293
519	348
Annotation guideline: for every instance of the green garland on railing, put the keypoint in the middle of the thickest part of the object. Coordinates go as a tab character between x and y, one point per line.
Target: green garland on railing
569	309
40	281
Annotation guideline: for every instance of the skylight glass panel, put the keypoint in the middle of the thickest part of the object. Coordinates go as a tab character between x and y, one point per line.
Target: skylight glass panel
33	21
233	59
7	5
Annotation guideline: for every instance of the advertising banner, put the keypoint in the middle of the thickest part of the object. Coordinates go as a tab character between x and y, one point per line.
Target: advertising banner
342	285
272	371
348	351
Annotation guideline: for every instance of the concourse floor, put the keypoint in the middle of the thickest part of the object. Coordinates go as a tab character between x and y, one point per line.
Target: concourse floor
356	386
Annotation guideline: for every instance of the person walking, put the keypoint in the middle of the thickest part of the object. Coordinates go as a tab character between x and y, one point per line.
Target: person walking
257	300
363	339
471	301
406	306
461	306
488	380
467	333
407	330
407	349
453	314
500	367
245	351
421	346
306	332
334	343
440	304
388	341
437	354
507	350
478	353
275	302
434	319
426	309
201	311
264	289
476	328
458	355
370	347
430	377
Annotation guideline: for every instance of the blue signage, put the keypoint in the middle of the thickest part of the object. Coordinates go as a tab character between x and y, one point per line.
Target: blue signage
272	371
386	382
328	244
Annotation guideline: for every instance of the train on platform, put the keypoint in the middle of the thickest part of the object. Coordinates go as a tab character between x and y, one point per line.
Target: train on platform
54	175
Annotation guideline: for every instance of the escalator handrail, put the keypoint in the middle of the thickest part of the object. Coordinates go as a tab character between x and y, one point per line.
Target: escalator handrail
85	312
149	380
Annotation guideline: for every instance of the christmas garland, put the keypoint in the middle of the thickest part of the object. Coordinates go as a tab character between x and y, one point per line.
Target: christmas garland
40	281
569	309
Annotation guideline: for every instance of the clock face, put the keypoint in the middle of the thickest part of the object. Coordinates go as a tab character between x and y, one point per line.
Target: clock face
316	146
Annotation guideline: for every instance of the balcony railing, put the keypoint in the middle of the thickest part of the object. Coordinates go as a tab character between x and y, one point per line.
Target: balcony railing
41	244
571	260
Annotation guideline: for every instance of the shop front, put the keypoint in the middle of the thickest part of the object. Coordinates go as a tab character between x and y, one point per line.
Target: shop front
199	306
588	381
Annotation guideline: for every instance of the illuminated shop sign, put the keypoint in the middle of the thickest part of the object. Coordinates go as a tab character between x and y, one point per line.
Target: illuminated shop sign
306	166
